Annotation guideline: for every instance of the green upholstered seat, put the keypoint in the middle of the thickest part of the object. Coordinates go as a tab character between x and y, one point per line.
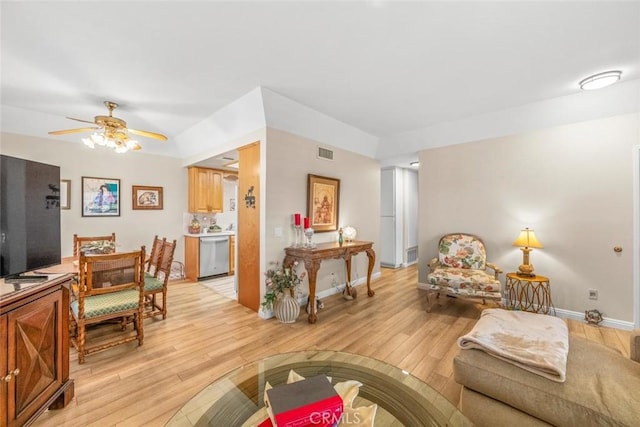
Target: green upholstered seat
152	283
99	305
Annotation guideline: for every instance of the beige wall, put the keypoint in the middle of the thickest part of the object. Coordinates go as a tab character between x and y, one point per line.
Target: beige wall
132	228
290	158
572	184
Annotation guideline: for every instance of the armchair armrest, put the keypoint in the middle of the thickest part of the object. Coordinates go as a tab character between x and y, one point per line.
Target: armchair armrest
495	268
433	263
634	345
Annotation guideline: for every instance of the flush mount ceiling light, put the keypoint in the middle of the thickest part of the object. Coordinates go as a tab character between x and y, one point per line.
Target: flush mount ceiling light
414	164
600	80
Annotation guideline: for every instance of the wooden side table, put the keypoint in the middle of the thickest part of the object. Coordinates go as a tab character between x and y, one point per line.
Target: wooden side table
529	293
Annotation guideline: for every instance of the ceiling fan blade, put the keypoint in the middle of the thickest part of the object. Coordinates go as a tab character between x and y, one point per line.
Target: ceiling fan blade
82	120
148	134
62	132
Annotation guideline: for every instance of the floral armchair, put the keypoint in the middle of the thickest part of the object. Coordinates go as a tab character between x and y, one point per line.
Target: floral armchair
460	270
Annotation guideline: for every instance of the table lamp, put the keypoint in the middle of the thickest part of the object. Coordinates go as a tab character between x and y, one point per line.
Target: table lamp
526	240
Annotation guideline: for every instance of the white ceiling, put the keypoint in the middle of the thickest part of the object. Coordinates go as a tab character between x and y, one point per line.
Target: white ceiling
385	67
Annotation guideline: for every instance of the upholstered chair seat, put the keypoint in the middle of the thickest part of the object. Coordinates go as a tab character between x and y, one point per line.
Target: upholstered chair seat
461	270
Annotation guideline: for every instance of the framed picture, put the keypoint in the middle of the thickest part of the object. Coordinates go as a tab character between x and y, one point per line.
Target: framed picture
100	196
323	197
144	197
65	194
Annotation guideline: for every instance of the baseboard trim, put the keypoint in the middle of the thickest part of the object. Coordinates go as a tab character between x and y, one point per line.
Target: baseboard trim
573	315
338	289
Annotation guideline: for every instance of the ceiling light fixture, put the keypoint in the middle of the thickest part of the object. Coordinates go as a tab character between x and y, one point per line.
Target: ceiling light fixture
414	164
118	141
600	80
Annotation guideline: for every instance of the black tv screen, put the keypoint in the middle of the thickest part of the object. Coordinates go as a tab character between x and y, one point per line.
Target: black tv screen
29	215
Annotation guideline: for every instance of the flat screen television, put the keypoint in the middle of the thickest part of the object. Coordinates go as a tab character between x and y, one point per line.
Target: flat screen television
29	216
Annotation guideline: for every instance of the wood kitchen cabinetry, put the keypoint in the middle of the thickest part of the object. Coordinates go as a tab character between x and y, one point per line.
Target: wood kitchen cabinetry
192	258
205	190
34	355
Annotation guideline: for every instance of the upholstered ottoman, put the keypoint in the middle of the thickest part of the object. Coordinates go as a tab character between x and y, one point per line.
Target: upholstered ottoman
602	388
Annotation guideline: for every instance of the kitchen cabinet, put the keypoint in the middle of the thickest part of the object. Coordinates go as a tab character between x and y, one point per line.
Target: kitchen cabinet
205	190
232	256
34	355
192	258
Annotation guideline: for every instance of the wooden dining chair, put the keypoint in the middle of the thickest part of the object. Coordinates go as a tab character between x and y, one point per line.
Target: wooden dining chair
158	283
90	242
111	286
154	258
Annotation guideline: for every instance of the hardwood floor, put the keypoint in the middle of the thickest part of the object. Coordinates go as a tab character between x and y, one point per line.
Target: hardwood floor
205	335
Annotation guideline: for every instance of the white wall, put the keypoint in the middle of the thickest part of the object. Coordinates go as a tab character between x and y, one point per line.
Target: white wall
290	158
572	184
132	228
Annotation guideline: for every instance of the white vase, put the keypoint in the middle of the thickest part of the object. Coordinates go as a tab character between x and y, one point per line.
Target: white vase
286	308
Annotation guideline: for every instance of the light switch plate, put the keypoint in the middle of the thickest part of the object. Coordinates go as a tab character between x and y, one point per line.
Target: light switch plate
277	232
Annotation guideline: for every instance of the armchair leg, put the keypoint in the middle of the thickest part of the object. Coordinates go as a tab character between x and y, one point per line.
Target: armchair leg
429	304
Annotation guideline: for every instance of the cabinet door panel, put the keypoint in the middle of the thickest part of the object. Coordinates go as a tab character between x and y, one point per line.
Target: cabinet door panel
4	387
205	190
216	191
34	350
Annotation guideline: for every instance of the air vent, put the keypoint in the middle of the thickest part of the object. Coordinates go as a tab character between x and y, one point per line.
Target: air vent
412	255
324	153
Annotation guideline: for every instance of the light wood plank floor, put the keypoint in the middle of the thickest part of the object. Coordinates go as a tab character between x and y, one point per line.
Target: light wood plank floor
206	335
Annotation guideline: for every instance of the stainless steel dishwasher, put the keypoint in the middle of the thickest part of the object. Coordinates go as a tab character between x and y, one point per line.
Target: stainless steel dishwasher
214	255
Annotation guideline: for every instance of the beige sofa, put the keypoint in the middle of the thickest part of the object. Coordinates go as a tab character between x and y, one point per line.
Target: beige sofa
602	389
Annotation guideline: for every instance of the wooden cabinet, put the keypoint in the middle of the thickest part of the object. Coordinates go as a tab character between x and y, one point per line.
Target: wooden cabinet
205	190
232	255
192	258
34	355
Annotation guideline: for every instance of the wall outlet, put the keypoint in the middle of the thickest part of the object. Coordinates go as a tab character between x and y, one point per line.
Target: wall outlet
593	294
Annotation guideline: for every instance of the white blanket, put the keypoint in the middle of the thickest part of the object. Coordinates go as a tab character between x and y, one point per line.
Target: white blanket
535	342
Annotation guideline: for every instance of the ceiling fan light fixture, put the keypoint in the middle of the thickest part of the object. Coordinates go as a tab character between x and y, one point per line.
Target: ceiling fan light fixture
600	80
88	142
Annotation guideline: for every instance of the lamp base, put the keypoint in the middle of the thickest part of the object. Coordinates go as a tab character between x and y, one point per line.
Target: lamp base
525	270
520	274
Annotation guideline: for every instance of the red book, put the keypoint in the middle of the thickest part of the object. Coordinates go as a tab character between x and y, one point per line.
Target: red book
310	402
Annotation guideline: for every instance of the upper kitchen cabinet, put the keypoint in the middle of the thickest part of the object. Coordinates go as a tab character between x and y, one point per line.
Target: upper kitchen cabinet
205	190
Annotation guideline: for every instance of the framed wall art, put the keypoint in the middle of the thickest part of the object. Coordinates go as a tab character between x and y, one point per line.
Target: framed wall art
323	197
146	198
65	194
100	196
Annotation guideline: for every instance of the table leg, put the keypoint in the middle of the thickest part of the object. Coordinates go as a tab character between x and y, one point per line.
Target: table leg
312	271
372	258
347	260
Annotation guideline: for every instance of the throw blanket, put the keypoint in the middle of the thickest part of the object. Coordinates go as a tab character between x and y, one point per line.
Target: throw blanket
535	342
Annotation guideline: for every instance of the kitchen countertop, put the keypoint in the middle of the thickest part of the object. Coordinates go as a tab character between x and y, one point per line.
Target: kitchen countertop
212	233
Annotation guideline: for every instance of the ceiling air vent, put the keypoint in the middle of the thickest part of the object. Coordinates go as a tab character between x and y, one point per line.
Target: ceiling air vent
324	153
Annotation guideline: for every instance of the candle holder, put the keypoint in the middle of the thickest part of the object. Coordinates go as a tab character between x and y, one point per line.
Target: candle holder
299	236
309	233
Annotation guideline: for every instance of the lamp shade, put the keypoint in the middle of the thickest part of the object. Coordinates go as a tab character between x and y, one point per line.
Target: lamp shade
527	239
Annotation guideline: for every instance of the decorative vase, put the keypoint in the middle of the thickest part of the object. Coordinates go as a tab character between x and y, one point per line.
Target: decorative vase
286	308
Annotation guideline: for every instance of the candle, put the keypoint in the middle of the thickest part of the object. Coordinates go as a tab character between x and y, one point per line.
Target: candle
296	219
306	222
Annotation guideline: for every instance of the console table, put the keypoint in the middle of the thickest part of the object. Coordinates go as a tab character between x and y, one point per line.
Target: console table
312	257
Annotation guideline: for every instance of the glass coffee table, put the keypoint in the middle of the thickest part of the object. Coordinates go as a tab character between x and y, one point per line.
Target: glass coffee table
236	398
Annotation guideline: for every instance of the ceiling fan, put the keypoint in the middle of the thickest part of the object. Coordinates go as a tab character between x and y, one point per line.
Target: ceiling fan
115	132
